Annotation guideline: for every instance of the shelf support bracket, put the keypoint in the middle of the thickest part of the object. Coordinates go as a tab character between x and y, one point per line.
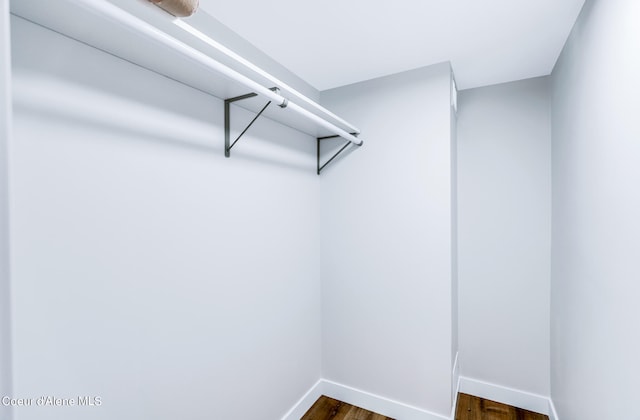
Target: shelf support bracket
319	140
227	119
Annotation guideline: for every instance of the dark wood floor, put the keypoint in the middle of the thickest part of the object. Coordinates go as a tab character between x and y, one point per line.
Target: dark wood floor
329	409
469	408
475	408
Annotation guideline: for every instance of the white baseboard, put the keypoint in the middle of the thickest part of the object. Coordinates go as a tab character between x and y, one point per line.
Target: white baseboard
305	403
378	404
553	414
400	411
455	400
455	378
455	385
359	398
502	394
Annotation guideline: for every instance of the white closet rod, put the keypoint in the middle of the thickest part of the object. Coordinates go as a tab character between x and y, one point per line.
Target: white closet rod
110	11
248	64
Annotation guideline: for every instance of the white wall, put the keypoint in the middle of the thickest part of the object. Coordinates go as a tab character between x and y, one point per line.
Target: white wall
455	299
148	269
596	228
504	209
5	124
386	241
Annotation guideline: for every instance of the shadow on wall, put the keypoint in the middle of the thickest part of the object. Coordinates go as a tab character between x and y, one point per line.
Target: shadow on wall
201	131
329	147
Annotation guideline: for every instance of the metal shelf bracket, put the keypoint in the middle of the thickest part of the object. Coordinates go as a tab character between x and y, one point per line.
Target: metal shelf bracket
319	140
227	119
228	145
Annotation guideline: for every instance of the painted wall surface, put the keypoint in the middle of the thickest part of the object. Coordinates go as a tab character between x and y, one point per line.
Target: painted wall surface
148	270
455	310
596	229
5	124
504	193
386	241
455	342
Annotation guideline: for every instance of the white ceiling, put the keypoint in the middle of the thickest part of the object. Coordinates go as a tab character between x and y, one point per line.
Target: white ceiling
332	43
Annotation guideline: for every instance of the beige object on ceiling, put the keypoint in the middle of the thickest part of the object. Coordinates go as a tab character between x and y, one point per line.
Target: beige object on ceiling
179	8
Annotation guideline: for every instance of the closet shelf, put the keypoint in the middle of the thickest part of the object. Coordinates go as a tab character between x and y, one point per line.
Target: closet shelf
145	35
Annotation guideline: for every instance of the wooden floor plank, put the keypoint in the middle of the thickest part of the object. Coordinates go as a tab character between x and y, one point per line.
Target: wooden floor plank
331	409
469	408
475	408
